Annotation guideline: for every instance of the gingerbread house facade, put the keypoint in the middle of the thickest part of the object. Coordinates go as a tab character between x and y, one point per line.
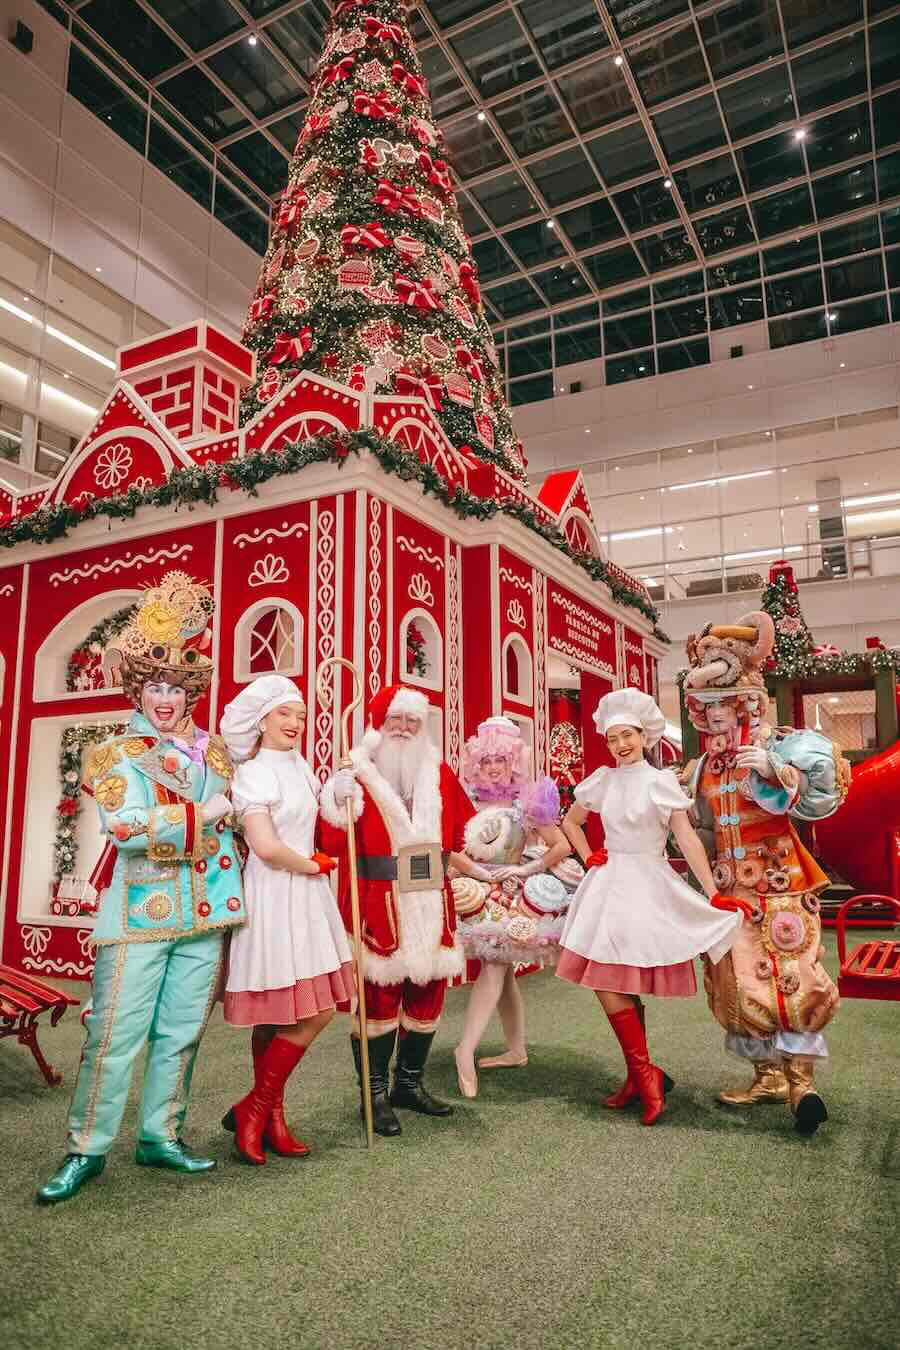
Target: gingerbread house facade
332	560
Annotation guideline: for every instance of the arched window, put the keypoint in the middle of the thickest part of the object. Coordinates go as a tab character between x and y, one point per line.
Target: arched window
269	640
82	635
421	650
580	533
518	676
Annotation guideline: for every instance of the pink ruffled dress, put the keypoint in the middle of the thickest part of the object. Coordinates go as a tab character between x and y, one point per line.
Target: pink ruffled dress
292	959
634	927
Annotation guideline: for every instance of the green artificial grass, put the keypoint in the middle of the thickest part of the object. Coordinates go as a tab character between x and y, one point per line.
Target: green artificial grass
532	1218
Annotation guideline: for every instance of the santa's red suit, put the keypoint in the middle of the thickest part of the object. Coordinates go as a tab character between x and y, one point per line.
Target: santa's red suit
409	936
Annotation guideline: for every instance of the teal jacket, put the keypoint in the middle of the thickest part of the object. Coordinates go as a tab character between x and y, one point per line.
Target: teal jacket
174	877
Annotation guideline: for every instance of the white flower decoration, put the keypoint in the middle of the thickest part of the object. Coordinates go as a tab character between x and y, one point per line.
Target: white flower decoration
113	466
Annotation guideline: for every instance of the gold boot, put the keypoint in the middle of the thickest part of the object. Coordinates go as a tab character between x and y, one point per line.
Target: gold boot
806	1104
769	1085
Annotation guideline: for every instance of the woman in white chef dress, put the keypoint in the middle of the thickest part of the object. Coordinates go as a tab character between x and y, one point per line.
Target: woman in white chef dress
634	927
290	967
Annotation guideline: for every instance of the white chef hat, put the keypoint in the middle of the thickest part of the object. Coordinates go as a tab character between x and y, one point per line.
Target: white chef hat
240	720
630	708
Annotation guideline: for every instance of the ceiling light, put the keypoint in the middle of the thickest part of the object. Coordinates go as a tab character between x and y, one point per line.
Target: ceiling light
646	534
98	269
252	40
763	553
667	183
587	431
874	500
27	299
831	316
19	313
641	369
618	60
813	510
67	398
800	134
834	700
481	117
843	364
80	347
749	386
551	224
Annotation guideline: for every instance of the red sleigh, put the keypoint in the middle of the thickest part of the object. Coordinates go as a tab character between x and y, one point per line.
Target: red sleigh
872	970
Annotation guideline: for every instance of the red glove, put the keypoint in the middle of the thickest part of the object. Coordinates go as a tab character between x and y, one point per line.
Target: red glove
599	858
731	904
326	864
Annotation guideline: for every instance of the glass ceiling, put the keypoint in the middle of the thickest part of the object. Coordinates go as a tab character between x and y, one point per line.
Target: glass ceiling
601	148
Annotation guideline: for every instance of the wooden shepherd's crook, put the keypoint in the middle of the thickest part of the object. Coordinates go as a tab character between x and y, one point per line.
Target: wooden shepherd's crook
324	693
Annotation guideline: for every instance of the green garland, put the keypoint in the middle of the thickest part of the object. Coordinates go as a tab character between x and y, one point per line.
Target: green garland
100	635
73	742
188	487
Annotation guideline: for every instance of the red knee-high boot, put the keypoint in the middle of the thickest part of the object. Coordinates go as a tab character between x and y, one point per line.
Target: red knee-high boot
647	1078
250	1117
277	1136
628	1091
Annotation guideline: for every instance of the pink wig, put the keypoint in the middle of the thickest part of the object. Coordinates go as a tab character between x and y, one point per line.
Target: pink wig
498	737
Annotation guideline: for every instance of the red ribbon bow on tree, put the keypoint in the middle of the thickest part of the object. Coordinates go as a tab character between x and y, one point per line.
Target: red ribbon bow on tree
369	236
262	307
437	171
375	105
469	282
291	209
425	384
315	124
405	78
384	32
418	294
291	348
469	362
341	70
394	199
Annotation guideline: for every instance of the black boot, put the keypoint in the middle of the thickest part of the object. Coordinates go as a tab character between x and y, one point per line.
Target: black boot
408	1090
381	1048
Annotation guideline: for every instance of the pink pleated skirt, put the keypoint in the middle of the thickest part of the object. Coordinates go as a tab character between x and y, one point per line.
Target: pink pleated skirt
285	1007
675	981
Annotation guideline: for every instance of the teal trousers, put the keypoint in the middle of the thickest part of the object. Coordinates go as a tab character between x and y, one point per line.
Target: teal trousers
158	993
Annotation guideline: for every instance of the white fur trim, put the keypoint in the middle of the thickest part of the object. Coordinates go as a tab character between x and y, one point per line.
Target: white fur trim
420	956
337	815
409	701
425	825
420	914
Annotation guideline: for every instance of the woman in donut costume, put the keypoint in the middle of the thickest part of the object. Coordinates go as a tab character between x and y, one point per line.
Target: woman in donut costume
634	927
291	966
513	915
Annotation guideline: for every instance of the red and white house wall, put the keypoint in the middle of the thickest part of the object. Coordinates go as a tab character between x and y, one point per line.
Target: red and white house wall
323	562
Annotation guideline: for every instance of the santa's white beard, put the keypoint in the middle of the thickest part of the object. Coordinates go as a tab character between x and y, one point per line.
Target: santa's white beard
398	759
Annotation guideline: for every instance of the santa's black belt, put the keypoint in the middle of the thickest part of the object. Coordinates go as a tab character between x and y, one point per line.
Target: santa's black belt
416	867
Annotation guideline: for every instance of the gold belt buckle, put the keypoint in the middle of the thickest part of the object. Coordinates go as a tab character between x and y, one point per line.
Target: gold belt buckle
420	867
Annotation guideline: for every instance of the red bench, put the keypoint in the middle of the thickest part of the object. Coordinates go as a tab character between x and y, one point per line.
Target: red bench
23	999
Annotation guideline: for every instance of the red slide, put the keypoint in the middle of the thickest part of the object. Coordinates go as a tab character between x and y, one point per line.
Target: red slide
862	840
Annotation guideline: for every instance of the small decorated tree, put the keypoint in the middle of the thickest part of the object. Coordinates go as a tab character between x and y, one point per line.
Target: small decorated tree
369	276
793	654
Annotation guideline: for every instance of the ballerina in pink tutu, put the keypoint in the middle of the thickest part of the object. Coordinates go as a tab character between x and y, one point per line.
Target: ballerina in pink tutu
511	909
634	927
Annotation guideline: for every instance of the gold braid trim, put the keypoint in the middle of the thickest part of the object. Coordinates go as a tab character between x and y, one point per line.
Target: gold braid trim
178	1104
170	934
83	1135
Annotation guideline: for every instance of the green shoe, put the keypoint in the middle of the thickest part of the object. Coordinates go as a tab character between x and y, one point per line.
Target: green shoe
172	1154
68	1179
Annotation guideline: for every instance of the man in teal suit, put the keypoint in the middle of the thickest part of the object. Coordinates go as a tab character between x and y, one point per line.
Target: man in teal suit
175	891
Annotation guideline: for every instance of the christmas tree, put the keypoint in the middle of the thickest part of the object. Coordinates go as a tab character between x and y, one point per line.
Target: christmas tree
369	276
793	654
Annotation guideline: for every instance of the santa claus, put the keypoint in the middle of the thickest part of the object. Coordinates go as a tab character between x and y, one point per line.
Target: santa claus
410	812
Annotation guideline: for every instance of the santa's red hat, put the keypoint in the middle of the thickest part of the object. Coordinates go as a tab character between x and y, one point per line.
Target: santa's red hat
391	701
394	699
